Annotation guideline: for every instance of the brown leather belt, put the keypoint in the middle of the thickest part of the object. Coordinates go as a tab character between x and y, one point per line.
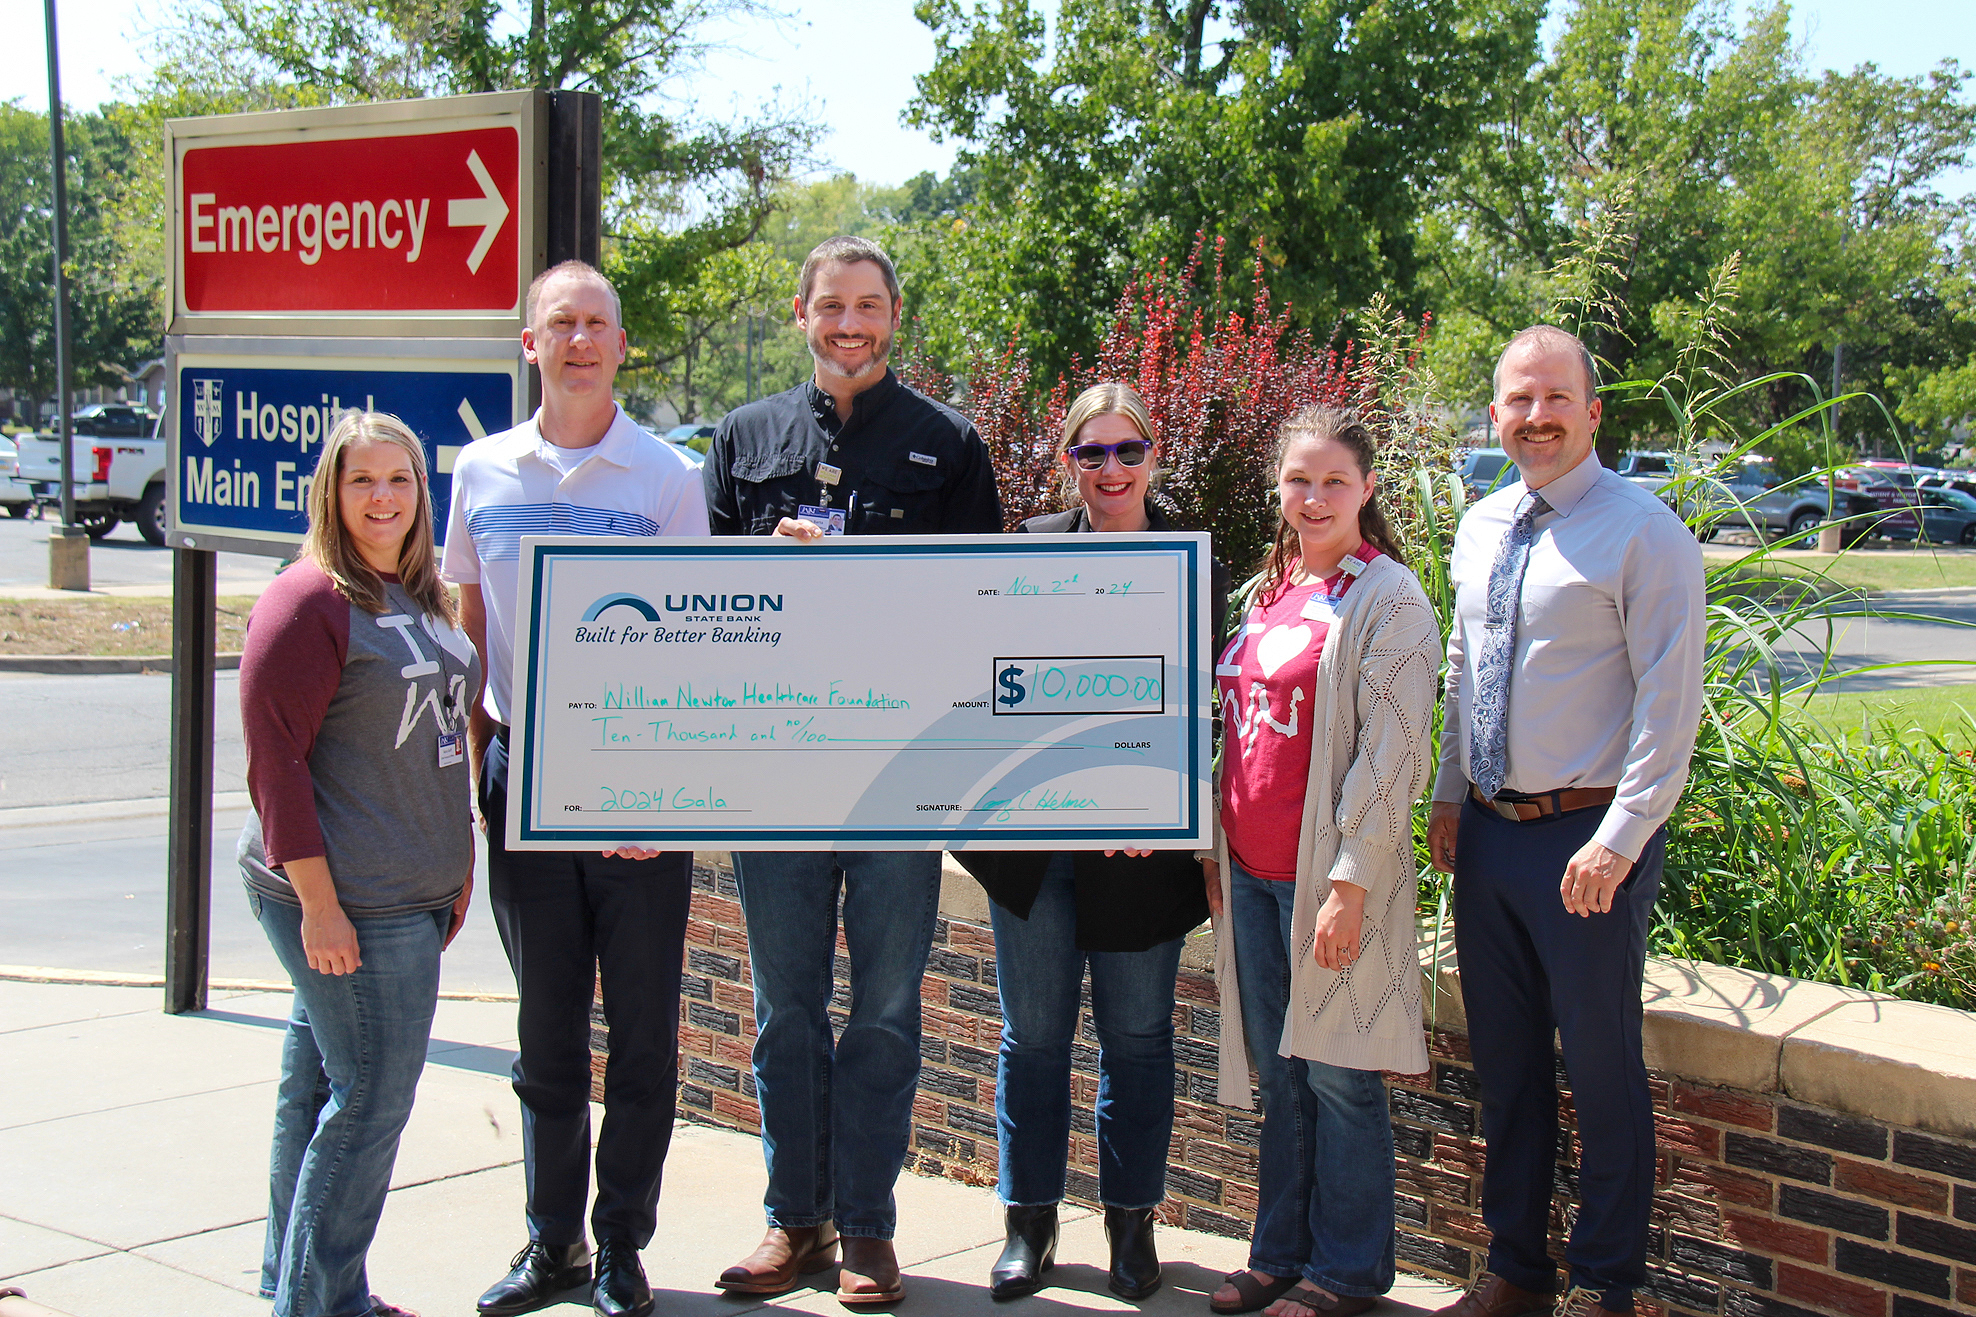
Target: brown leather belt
1520	808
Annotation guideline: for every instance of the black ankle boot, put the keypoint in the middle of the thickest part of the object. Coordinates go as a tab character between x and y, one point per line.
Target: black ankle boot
1031	1251
1135	1263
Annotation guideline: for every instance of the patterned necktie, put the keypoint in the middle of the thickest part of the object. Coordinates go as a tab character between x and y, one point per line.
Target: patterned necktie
1489	751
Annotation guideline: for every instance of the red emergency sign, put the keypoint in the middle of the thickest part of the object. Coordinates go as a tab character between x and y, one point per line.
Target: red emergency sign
402	223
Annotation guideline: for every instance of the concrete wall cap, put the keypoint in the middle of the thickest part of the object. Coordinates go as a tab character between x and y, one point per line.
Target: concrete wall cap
1725	1026
1902	1062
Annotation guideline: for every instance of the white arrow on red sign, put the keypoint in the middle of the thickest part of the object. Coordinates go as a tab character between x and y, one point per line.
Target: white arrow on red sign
487	209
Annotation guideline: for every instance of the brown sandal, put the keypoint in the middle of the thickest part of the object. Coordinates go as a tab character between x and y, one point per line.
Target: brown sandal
1255	1294
1307	1295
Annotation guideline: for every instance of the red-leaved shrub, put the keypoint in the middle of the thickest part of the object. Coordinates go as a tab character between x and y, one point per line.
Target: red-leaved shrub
1218	384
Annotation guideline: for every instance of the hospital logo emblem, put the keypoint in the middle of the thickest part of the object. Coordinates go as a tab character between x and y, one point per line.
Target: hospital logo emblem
207	406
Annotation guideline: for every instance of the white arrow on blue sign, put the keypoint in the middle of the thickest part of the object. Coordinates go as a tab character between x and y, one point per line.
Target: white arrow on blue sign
250	433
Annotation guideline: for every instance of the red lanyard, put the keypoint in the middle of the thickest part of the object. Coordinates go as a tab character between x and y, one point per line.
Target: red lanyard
1349	568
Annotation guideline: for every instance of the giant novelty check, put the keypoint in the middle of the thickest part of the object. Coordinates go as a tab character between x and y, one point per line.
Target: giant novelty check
1028	692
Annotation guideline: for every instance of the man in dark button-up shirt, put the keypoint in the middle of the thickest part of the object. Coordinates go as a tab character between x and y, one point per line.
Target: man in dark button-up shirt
851	451
886	457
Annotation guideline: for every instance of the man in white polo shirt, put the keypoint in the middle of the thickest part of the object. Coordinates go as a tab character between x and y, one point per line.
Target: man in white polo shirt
579	466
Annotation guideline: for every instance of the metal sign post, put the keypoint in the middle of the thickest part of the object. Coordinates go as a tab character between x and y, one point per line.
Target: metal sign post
373	256
68	544
189	847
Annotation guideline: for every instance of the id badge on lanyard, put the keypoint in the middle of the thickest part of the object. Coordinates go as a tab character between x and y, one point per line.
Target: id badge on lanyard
1324	607
833	520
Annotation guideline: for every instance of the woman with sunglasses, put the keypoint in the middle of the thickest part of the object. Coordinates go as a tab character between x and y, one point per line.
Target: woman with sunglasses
358	856
1327	700
1125	916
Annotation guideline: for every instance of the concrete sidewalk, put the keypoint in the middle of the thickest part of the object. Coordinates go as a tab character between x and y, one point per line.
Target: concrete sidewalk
133	1155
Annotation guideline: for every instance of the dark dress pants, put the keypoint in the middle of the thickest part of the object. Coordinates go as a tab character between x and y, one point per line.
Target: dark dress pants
1530	967
571	921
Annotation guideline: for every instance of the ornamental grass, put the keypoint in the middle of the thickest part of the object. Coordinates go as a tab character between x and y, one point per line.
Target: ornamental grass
1793	850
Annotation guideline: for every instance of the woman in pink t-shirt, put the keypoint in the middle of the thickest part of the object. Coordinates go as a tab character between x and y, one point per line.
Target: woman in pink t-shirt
1327	696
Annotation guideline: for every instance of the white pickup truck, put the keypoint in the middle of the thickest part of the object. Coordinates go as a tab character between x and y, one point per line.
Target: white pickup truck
119	470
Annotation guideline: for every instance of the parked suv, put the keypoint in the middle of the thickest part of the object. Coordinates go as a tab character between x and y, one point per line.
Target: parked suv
1483	470
1752	496
112	420
1649	471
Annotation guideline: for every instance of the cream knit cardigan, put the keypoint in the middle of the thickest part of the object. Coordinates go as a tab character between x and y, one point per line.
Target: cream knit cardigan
1376	684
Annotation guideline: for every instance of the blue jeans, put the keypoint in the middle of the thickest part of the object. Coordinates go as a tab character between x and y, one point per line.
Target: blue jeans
1325	1208
350	1067
1039	970
837	1113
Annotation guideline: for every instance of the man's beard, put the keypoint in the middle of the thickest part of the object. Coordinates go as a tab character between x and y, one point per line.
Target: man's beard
881	350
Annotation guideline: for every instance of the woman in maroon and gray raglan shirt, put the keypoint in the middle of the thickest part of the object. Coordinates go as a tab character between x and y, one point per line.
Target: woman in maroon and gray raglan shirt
342	713
355	724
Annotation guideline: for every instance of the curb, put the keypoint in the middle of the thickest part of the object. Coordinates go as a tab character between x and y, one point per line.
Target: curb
105	978
71	665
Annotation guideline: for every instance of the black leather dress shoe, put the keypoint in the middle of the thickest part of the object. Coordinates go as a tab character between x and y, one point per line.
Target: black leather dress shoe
1031	1251
1135	1264
541	1274
620	1290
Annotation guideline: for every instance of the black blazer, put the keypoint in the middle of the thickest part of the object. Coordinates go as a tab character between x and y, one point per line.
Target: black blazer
1123	903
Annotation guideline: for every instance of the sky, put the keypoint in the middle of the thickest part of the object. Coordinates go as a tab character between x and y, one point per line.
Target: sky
858	75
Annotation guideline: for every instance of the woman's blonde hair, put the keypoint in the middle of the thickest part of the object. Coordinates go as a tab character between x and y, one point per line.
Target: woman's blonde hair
1111	398
328	546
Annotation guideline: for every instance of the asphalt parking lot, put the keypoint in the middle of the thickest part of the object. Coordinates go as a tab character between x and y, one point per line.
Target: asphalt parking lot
120	563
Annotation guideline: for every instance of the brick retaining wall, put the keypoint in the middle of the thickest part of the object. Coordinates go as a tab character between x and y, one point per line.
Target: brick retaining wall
1763	1207
1766	1207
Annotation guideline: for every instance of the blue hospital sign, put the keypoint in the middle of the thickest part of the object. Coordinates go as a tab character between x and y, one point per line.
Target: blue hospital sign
249	435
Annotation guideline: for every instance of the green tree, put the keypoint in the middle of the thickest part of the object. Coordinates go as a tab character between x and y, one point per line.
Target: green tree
1720	143
112	325
726	352
1308	130
1939	401
679	193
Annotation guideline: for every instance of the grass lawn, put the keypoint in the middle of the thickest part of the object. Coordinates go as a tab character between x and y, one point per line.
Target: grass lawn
1870	570
99	627
1941	709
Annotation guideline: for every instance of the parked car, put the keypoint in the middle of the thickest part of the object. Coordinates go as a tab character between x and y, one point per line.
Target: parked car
16	497
1962	480
1649	471
1483	470
1752	496
693	438
119	471
1948	515
113	420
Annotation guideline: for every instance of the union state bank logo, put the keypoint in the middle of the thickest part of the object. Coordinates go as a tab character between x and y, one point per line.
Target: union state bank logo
208	405
706	605
637	602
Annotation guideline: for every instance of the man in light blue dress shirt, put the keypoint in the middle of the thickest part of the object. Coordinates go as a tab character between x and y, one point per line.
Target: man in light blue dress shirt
1574	691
